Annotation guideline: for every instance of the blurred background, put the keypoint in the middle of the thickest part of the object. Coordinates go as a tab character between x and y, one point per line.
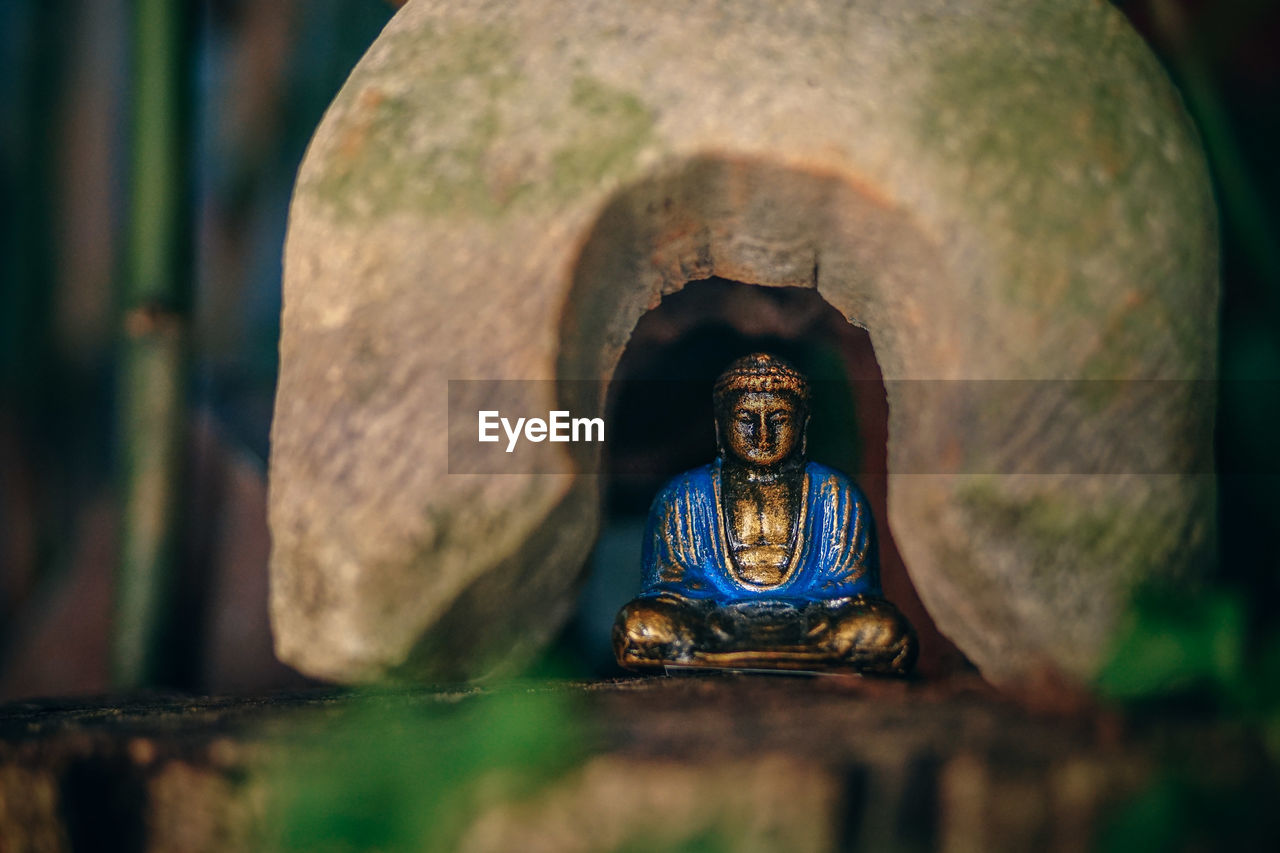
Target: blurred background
141	227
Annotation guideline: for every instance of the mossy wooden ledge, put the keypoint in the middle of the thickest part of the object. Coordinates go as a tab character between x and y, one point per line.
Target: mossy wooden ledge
995	190
741	763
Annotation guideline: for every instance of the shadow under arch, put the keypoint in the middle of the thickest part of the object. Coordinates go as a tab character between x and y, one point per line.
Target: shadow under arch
750	222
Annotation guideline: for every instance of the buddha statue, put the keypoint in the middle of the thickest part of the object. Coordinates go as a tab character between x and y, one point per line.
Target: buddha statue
762	559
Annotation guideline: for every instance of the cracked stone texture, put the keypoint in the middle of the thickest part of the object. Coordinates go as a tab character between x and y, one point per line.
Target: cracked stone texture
995	190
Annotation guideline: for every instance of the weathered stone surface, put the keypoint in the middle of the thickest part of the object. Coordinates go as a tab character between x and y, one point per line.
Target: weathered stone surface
996	190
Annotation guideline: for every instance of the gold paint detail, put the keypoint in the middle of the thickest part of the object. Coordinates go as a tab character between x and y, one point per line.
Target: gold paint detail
861	634
750	576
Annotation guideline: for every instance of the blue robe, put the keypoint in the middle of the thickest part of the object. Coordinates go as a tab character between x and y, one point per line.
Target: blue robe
686	549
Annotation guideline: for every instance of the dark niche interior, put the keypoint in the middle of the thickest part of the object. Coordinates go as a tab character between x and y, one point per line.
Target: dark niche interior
660	423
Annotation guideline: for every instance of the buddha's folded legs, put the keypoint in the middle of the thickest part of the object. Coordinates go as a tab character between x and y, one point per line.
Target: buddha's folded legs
654	632
870	635
861	634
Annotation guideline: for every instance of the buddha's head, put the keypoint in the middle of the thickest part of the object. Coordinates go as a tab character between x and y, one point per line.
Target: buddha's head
761	410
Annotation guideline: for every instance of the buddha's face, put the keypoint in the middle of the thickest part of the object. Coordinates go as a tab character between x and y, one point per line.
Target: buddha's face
762	427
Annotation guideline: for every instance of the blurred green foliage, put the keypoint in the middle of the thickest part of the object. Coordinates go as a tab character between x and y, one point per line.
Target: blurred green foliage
396	772
1182	651
1174	643
1179	811
399	771
1198	648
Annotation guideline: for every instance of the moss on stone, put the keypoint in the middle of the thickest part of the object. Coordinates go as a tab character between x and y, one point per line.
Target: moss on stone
1070	154
452	140
1105	538
618	124
384	150
1044	167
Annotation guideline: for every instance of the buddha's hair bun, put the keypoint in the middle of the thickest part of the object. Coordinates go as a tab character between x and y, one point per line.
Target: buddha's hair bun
761	372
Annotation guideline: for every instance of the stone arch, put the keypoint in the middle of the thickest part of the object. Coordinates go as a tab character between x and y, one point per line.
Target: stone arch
503	186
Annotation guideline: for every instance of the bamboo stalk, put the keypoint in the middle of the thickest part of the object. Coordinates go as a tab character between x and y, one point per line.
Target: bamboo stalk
156	297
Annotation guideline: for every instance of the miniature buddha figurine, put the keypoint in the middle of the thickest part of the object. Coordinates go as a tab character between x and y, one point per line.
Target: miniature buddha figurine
762	559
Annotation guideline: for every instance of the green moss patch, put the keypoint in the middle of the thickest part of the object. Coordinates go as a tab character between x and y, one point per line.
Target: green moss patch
442	123
1103	539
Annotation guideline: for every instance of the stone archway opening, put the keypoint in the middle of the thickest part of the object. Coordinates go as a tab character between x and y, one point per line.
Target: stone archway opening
779	256
522	235
658	407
